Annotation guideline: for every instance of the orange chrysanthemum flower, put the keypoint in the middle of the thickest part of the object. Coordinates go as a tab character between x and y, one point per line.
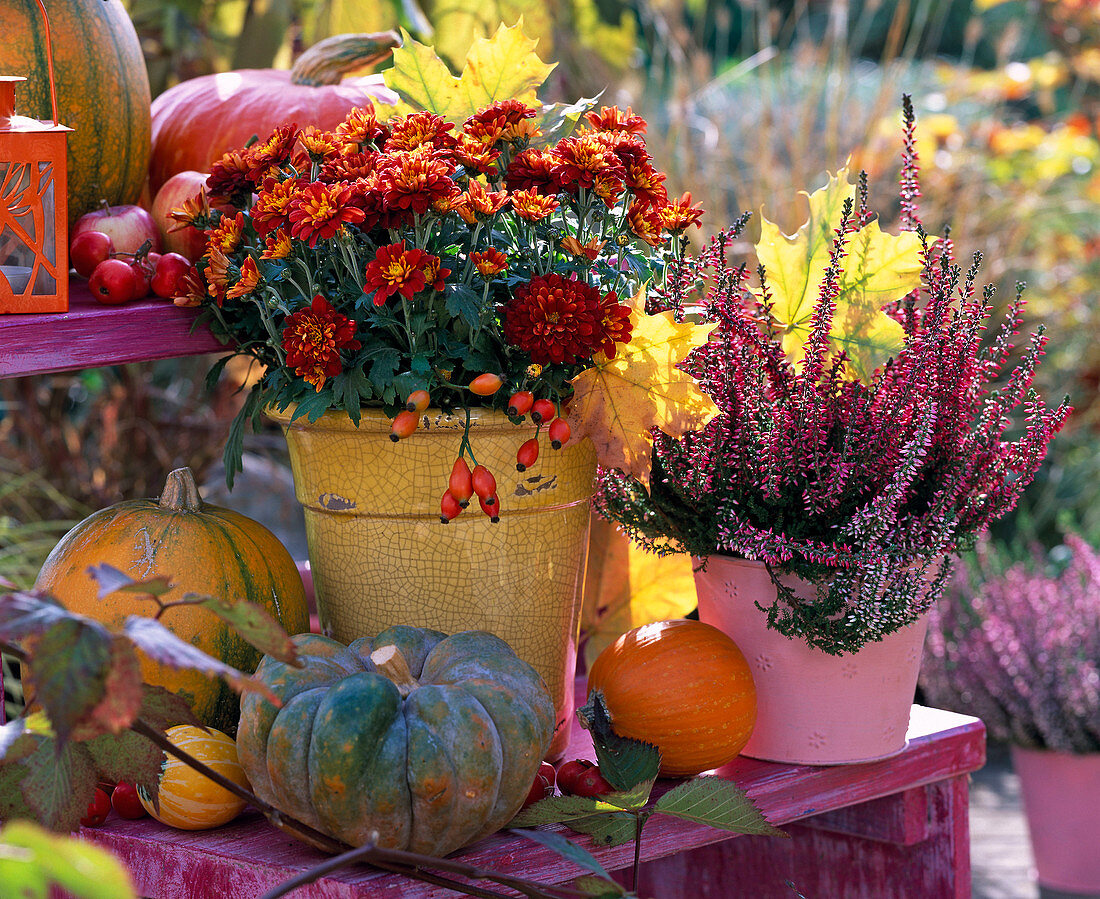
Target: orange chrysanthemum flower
646	183
646	223
274	151
560	320
679	214
475	156
246	283
531	206
272	207
435	277
190	289
484	203
490	263
194	212
276	245
578	161
505	120
319	210
227	235
420	129
415	179
349	167
313	338
216	273
361	128
319	144
611	118
395	269
589	250
530	169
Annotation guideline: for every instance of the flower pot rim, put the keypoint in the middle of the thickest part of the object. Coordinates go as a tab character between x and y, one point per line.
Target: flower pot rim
374	418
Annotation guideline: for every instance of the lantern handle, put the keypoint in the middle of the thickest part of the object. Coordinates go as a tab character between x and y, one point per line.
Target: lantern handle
49	61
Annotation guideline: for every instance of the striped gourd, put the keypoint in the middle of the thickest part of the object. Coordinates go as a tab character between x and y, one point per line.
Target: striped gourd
102	92
200	548
189	800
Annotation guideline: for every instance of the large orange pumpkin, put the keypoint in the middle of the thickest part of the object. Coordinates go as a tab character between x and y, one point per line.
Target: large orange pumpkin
102	92
200	548
683	686
198	120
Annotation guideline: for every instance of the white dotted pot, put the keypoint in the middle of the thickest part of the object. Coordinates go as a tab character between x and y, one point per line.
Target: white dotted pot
813	708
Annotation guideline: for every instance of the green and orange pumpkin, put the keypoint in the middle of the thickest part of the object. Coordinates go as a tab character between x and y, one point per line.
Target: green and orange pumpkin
200	548
102	92
414	739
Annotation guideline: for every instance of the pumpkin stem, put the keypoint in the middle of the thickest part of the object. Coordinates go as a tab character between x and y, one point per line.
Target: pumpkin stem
389	661
327	61
181	493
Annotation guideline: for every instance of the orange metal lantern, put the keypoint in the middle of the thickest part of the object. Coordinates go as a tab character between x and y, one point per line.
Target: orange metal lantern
34	247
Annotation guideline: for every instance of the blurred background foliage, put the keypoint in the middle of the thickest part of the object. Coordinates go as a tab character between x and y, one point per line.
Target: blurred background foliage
749	101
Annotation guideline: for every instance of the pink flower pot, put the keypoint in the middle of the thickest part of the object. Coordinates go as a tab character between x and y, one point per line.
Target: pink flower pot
812	708
1061	795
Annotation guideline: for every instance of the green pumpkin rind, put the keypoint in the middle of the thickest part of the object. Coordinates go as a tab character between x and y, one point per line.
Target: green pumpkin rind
432	772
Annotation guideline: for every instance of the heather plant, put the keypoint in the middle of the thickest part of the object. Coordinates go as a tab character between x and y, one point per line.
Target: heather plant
1021	650
859	473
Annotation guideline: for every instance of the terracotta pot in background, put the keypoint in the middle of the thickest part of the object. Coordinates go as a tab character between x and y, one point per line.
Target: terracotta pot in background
380	556
813	708
1061	794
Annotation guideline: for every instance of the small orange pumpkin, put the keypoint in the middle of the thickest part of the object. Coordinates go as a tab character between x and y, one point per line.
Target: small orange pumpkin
682	685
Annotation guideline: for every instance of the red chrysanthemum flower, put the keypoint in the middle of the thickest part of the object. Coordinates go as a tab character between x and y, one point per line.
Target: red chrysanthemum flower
320	145
532	206
319	210
475	156
435	277
276	245
349	167
272	207
228	179
313	338
679	214
503	120
396	270
646	183
530	169
611	118
556	319
490	263
578	161
484	203
227	235
420	129
613	325
646	223
274	151
415	179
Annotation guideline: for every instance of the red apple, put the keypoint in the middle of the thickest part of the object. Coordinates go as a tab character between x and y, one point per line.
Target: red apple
128	226
170	268
88	249
188	242
114	282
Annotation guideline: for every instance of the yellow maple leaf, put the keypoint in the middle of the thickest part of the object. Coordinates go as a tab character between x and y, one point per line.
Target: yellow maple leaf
878	269
502	67
617	401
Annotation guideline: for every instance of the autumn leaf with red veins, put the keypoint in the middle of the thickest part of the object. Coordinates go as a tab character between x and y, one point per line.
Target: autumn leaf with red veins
617	401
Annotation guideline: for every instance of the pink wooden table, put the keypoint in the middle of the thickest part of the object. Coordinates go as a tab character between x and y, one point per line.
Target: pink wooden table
895	828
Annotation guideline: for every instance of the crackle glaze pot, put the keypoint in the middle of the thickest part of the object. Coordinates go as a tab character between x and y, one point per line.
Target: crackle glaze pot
380	556
813	708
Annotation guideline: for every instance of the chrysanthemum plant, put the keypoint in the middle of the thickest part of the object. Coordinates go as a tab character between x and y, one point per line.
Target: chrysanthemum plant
861	435
1021	650
409	262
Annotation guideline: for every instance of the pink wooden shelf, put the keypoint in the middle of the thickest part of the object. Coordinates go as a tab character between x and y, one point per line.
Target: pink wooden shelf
91	334
899	824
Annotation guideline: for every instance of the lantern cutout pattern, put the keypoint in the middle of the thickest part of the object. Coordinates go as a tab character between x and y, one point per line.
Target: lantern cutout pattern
34	251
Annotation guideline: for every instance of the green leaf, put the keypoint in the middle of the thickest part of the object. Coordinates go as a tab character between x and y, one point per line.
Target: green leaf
254	624
161	709
718	803
607	830
111	580
384	367
233	454
60	784
13	803
566	849
559	120
599	888
122	693
70	664
464	302
83	869
559	809
878	268
126	756
163	646
624	762
24	615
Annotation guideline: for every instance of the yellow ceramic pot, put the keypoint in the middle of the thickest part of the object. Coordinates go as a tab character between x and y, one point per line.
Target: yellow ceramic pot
381	556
